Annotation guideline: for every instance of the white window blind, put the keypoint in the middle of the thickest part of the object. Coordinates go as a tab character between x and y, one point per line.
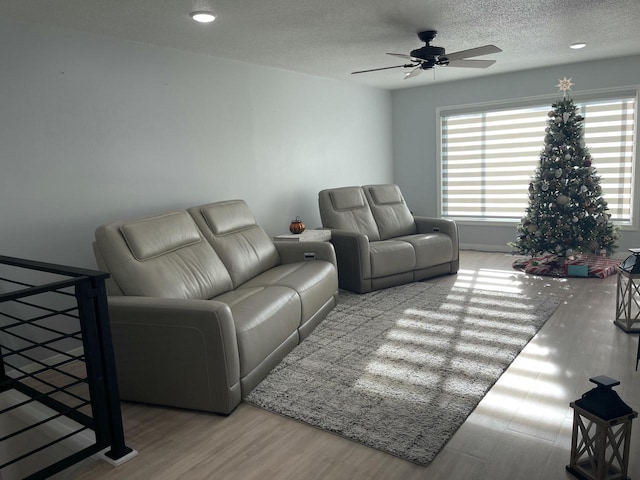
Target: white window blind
489	157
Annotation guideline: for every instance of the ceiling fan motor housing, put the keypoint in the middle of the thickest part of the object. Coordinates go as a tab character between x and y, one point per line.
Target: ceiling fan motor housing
427	52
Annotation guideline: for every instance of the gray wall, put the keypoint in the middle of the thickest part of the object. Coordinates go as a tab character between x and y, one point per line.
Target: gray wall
94	129
415	121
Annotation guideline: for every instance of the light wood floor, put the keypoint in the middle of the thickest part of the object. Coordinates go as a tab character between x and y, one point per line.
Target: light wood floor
520	430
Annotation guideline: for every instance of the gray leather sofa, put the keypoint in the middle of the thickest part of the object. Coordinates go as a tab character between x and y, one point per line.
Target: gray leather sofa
203	304
379	243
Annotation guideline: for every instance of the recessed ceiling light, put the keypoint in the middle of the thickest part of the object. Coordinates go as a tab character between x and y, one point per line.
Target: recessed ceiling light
203	17
577	46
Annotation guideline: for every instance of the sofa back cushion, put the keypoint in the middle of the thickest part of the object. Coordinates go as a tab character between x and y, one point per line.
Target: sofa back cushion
242	244
390	211
162	256
347	208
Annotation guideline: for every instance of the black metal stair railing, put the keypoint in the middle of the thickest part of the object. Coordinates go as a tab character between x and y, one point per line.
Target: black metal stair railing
57	369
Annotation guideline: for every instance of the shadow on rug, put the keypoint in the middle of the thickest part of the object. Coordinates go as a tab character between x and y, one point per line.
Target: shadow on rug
401	369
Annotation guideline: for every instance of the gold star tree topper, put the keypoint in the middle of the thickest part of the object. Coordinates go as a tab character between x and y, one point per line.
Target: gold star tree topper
564	85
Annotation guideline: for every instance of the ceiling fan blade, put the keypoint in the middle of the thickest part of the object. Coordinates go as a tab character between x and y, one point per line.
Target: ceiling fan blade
470	63
381	68
405	56
413	73
472	52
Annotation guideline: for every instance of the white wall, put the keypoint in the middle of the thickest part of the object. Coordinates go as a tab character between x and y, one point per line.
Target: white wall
94	129
415	121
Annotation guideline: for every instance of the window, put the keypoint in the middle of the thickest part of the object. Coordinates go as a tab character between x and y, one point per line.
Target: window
489	156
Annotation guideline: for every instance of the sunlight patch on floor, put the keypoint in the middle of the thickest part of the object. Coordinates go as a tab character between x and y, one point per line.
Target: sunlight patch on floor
533	349
405	374
418	325
513	383
489	279
418	355
509	327
542	367
542	412
417	342
477	335
425	340
540	416
525	402
533	390
401	392
475	350
491	299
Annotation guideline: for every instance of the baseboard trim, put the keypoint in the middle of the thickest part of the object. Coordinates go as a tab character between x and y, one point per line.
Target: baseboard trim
480	247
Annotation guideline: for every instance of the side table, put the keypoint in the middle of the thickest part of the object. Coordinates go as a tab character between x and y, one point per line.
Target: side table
306	236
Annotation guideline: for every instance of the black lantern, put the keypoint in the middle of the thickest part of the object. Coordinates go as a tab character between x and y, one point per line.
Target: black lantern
601	433
631	264
628	293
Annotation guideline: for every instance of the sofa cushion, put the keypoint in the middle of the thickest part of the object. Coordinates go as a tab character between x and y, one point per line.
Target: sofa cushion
242	244
162	256
347	208
389	257
390	211
431	248
265	317
315	283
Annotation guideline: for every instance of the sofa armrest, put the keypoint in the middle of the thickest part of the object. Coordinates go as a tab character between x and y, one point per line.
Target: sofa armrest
354	262
441	225
176	352
291	252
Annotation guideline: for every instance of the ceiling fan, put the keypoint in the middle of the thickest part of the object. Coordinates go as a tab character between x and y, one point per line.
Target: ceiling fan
427	57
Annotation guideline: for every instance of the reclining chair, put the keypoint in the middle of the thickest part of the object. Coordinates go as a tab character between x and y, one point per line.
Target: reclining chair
379	243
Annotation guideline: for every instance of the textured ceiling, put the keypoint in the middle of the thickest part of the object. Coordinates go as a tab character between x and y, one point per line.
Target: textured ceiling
332	38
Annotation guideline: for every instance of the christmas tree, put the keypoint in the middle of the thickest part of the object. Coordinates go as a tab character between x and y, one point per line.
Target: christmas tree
567	214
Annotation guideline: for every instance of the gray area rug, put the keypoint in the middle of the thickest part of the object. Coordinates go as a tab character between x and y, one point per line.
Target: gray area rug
401	369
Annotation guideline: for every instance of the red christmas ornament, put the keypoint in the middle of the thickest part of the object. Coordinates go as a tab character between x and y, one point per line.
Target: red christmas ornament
587	163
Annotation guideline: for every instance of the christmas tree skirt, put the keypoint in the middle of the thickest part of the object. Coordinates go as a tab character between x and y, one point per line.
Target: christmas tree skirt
584	265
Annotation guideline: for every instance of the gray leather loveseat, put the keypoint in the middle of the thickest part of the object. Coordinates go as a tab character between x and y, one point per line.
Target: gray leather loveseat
203	304
379	243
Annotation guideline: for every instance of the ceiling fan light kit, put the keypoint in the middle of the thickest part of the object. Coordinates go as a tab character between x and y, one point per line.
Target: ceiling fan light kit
203	17
429	56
